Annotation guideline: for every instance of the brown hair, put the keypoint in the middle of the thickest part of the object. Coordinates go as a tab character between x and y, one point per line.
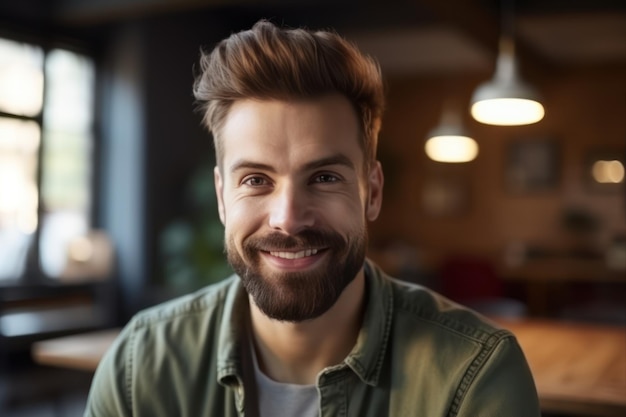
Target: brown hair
267	62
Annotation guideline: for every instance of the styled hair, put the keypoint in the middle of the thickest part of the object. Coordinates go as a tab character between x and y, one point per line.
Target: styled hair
267	62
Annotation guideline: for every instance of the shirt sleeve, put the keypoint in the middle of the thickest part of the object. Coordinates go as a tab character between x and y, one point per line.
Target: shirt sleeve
503	387
109	395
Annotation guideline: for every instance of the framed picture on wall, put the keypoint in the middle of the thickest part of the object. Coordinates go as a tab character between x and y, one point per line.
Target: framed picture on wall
532	165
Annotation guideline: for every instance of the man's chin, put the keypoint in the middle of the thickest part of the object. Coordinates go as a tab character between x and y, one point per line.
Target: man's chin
295	310
293	296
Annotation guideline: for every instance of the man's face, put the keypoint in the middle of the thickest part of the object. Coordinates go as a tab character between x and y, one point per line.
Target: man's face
294	200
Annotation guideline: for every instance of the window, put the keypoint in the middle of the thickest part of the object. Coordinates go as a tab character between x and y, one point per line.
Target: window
46	139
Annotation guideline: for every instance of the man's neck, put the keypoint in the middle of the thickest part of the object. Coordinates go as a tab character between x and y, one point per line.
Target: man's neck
296	352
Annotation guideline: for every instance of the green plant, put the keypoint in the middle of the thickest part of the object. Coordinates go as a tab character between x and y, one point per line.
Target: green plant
192	246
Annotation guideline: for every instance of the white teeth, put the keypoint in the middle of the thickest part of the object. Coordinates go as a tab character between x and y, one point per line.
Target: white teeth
294	255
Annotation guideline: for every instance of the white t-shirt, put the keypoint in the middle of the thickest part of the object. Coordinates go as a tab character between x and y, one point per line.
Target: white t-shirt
277	399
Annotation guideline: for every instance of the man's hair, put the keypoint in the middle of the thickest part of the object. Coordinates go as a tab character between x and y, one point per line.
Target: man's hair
267	62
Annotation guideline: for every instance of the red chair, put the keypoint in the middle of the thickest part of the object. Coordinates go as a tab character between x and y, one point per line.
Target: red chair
473	282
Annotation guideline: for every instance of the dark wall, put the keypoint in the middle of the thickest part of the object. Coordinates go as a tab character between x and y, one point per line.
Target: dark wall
585	111
151	140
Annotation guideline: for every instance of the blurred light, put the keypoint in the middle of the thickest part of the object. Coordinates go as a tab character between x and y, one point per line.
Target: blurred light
21	78
19	198
58	229
69	92
65	162
80	249
449	142
451	148
27	216
506	111
608	172
27	222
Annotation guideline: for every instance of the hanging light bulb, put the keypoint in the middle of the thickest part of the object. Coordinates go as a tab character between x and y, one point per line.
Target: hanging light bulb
449	142
506	100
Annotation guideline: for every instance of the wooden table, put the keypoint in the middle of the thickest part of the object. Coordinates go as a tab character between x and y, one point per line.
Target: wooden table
81	351
579	369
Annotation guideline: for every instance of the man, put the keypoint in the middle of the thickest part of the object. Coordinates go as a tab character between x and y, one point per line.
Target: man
307	327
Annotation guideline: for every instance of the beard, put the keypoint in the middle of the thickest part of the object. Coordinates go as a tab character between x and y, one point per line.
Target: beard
298	296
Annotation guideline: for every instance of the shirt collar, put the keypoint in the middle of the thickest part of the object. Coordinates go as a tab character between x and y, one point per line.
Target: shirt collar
233	334
366	358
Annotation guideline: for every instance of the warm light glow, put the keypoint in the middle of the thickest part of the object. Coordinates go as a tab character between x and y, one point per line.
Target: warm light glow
608	172
451	148
22	90
506	100
507	111
80	249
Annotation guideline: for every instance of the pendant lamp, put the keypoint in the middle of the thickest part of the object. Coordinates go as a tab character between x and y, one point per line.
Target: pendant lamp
449	141
506	100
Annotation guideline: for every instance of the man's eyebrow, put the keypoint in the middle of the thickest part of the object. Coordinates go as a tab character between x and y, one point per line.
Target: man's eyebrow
338	159
246	164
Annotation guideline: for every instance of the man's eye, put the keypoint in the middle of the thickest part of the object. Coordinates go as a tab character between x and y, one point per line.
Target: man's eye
324	178
255	181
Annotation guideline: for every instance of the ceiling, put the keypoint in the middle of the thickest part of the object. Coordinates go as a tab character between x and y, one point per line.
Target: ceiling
416	36
463	35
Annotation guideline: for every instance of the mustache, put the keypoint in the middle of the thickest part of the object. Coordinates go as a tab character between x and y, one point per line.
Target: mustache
308	238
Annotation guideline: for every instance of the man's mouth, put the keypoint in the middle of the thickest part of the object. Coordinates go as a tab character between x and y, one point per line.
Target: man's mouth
294	255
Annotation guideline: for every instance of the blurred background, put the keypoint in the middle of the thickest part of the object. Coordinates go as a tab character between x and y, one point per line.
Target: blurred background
106	187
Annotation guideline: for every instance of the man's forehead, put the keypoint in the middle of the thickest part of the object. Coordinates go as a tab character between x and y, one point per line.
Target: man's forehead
272	131
329	107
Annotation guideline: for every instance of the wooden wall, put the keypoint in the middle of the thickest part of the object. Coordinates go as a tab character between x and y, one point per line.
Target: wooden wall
585	111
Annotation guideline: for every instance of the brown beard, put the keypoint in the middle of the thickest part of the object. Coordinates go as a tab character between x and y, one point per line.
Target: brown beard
298	296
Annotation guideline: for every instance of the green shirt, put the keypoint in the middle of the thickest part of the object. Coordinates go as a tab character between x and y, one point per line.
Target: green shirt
417	354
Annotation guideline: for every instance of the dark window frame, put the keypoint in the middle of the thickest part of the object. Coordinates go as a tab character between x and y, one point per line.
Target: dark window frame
48	39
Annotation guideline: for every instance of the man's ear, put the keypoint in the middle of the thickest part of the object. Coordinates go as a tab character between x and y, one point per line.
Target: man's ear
219	191
376	181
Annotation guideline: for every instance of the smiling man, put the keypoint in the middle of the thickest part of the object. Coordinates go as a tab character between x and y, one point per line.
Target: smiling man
294	194
307	326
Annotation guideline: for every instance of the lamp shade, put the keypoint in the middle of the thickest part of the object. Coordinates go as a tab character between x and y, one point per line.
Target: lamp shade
449	142
506	100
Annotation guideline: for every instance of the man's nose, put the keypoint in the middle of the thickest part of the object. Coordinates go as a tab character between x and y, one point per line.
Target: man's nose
290	211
